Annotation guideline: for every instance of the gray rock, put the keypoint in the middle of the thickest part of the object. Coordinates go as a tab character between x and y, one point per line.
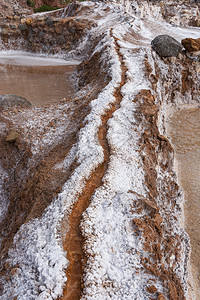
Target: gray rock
166	46
7	101
72	30
22	27
49	22
13	26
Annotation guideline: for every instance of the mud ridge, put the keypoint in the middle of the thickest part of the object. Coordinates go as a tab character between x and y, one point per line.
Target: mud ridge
74	241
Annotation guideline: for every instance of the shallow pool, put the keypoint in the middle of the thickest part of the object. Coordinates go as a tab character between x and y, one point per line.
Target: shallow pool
40	80
184	132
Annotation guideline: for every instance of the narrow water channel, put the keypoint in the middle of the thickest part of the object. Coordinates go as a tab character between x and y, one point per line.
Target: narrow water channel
39	80
184	132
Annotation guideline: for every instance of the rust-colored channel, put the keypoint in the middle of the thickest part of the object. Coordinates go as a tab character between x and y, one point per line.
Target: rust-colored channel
73	243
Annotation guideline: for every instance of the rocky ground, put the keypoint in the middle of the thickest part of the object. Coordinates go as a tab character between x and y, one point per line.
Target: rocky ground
24	7
10	7
92	208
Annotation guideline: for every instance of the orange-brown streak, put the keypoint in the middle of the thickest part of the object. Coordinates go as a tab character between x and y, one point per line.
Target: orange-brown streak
74	240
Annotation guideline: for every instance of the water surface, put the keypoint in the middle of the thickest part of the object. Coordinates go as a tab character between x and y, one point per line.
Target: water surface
184	131
39	80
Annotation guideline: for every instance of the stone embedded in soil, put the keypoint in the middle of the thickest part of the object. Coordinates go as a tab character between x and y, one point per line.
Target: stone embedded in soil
191	45
10	100
58	33
13	7
22	27
11	138
166	46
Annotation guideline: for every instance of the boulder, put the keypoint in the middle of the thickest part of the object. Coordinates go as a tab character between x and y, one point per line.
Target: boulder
9	100
12	136
191	45
166	46
49	22
22	27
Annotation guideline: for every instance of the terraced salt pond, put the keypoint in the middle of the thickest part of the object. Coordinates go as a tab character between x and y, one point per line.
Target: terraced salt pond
184	132
40	80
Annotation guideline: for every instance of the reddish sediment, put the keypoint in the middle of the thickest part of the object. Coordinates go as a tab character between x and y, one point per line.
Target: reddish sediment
74	241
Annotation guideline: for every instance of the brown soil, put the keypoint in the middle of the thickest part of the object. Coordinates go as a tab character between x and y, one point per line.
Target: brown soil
33	182
181	81
88	68
31	190
191	44
11	7
74	241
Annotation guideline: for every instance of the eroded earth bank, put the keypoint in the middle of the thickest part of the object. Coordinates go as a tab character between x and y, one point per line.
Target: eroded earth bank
91	206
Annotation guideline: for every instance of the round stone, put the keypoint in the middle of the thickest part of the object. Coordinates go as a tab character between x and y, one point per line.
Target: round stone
166	46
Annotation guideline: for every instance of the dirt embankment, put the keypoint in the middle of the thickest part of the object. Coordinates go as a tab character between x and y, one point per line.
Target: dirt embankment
181	82
43	34
74	241
181	87
160	243
33	182
14	7
163	247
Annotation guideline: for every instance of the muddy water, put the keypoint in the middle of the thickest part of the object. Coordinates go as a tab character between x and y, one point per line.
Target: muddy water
39	80
184	131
